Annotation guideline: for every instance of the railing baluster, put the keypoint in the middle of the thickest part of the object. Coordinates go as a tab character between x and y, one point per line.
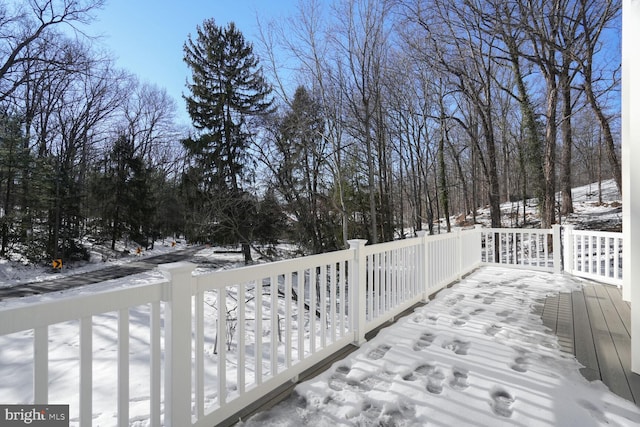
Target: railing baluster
222	346
41	365
86	371
273	312
288	301
300	323
616	259
199	353
258	331
388	291
123	367
369	283
241	325
580	253
399	291
596	255
155	367
323	305
591	249
313	283
608	245
333	300
343	298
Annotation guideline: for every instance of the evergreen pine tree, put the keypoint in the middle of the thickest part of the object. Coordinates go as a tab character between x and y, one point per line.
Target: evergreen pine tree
227	89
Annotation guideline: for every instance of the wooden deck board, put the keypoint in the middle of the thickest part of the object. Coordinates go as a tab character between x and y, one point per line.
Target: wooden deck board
621	339
623	307
564	325
584	348
598	321
611	370
550	313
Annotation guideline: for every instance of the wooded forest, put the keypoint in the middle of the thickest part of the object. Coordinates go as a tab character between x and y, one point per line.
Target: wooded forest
350	119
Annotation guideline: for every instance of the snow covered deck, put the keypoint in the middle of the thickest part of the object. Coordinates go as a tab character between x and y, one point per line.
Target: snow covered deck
594	324
483	352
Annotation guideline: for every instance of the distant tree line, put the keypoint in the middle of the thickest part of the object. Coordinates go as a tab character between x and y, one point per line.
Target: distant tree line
386	116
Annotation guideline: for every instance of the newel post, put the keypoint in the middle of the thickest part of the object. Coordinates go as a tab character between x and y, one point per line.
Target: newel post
557	248
477	245
568	249
461	252
424	260
358	291
177	317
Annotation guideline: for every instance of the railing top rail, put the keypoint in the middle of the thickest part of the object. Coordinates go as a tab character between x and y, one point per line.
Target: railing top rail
612	234
392	245
34	315
518	230
452	234
220	279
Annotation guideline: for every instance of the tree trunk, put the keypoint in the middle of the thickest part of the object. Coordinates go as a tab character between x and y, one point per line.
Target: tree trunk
549	200
565	166
609	144
442	177
246	251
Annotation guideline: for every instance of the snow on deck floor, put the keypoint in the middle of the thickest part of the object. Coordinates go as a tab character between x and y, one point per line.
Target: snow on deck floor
476	355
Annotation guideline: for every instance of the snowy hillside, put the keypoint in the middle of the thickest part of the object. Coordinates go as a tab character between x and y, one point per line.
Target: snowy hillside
589	213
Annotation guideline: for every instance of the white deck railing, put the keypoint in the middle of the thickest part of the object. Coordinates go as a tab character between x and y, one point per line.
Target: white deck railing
231	337
522	248
594	254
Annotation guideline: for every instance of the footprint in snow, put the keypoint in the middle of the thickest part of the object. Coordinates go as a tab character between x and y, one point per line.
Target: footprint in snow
418	318
454	300
477	311
433	318
504	313
378	352
460	321
460	378
398	415
344	370
434	381
520	364
501	402
339	381
371	409
420	371
429	318
455	312
492	330
488	300
457	346
425	340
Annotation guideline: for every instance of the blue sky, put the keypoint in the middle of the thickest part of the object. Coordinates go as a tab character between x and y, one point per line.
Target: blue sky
146	36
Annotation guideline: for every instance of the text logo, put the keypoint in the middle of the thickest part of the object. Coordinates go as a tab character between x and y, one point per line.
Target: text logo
34	415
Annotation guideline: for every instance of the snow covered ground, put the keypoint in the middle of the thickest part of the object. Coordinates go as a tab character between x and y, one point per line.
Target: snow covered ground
588	214
474	356
13	273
